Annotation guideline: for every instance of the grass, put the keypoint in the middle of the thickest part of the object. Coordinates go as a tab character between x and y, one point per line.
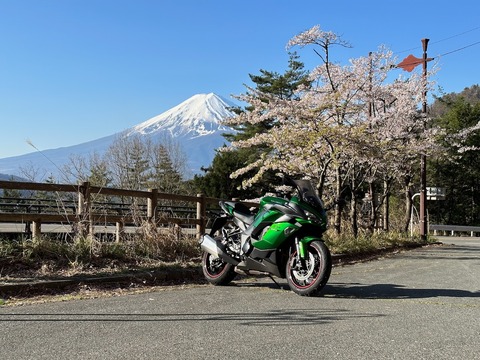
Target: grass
148	248
366	243
48	256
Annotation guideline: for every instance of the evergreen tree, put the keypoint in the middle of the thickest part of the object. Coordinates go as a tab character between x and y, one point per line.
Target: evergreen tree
217	182
458	174
275	84
99	173
11	196
164	176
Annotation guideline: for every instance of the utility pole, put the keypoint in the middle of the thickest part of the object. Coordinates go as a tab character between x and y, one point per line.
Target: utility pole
423	161
408	64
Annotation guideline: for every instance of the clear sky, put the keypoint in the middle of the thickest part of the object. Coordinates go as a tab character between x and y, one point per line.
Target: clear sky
77	70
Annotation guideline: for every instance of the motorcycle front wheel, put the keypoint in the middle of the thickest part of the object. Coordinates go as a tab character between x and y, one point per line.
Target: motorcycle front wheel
217	271
307	277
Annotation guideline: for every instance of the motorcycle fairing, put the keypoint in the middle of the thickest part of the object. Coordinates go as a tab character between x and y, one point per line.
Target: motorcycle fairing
265	261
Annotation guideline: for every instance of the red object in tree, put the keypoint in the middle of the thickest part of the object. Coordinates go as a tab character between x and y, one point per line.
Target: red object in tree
409	63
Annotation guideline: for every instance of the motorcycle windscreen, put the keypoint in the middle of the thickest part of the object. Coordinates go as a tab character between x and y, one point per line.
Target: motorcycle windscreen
308	193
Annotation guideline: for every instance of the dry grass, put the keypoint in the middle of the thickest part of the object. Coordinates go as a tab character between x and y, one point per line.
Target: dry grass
366	243
148	248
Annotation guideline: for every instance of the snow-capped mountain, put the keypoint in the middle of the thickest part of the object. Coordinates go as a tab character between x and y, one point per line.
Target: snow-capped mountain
194	125
198	116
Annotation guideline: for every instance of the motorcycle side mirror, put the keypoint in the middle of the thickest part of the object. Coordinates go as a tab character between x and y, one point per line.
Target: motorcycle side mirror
287	181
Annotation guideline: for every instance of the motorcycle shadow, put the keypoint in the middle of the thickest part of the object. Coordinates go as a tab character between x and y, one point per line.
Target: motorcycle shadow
391	291
359	291
260	282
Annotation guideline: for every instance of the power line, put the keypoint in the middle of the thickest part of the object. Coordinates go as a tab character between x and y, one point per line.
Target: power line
459	49
453	36
444	39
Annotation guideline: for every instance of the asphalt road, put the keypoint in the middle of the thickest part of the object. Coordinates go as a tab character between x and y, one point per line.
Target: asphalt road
420	304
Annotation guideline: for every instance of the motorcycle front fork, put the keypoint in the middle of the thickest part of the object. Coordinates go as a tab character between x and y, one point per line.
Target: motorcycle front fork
300	252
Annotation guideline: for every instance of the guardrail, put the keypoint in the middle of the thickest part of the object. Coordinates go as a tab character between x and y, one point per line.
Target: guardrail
85	214
452	229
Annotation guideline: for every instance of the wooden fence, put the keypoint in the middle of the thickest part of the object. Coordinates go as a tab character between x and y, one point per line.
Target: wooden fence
86	212
82	209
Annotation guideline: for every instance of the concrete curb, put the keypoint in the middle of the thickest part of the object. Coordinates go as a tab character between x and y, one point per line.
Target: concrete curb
153	277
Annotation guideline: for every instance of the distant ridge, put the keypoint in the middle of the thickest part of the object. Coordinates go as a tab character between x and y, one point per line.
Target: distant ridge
194	125
6	177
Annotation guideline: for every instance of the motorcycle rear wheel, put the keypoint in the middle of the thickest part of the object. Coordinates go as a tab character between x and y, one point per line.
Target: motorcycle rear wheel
310	278
217	271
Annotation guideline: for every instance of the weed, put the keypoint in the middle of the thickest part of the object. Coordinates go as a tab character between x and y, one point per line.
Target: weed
367	242
47	255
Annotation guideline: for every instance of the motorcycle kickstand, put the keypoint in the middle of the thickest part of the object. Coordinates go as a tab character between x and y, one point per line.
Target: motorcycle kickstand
276	283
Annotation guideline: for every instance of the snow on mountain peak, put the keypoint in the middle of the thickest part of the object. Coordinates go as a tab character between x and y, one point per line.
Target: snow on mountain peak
197	116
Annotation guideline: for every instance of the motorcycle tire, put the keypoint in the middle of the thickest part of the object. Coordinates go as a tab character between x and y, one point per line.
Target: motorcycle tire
309	279
217	271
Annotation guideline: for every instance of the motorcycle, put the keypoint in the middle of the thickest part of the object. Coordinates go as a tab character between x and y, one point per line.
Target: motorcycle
283	239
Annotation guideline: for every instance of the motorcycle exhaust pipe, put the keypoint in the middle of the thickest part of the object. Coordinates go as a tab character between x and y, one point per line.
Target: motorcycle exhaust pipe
216	248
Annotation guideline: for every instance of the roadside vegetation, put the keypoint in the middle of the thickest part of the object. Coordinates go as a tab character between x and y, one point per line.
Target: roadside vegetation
50	256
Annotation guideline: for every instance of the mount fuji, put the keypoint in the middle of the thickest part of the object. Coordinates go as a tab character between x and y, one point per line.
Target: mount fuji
195	125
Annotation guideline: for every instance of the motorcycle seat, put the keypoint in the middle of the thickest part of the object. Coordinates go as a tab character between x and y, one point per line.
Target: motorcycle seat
243	213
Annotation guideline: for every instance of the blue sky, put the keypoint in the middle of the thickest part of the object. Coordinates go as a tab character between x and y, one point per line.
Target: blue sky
76	70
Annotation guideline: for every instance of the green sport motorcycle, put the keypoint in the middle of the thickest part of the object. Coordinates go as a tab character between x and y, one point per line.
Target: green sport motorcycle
283	238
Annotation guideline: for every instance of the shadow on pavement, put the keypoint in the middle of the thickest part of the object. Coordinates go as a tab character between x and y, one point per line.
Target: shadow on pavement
362	291
392	291
278	317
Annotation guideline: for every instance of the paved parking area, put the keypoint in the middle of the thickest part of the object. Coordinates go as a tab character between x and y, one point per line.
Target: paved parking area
419	304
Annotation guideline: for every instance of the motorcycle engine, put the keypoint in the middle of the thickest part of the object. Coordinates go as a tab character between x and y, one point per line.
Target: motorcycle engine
232	238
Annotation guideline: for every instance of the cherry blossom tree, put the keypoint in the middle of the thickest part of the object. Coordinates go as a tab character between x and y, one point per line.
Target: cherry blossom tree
356	130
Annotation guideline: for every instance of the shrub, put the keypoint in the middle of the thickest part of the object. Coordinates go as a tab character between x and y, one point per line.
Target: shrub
365	242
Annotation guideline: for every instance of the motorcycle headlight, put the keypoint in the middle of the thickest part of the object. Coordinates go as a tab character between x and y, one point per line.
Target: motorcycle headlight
313	217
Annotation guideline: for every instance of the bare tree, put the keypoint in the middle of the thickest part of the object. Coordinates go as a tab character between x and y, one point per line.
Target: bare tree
128	162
